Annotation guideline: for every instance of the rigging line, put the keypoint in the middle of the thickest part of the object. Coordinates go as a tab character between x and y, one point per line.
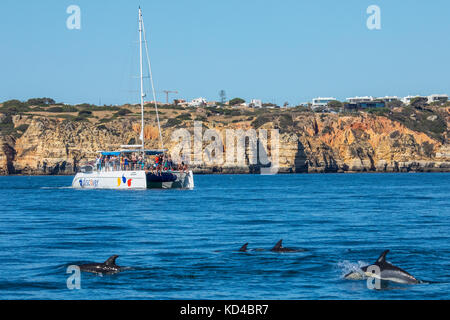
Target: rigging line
152	84
142	83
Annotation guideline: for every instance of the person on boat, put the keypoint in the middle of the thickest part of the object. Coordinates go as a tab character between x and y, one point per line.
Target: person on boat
102	163
158	163
114	163
98	163
133	161
111	163
125	163
164	163
151	166
141	163
170	163
107	163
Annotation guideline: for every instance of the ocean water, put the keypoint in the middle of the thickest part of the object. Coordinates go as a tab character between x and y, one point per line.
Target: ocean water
182	244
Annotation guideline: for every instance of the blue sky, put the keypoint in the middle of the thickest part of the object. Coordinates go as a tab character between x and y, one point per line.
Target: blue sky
277	51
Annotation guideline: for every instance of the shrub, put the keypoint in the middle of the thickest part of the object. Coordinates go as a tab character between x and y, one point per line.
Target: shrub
285	121
106	120
335	105
236	101
327	130
419	102
96	108
420	123
14	107
122	112
232	112
102	127
378	111
6	125
13	103
261	120
201	118
172	122
166	106
427	149
80	119
84	113
68	108
55	109
394	104
40	102
22	127
395	134
184	116
84	105
154	112
302	109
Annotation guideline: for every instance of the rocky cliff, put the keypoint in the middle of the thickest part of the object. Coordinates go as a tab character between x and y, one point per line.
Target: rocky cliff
309	142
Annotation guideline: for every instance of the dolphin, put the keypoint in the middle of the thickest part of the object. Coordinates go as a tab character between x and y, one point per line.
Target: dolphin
279	248
388	272
107	267
243	248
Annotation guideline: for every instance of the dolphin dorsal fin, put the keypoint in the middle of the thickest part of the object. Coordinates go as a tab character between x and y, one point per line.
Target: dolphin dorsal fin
111	260
278	245
382	258
243	248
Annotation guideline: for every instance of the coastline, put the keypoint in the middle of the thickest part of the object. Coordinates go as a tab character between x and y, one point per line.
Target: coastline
283	172
308	142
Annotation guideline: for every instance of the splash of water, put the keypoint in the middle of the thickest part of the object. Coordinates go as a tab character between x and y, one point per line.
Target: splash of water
347	267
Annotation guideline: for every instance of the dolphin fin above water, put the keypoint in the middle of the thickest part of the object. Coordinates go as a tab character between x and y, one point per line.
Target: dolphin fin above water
278	245
279	248
107	267
387	272
393	273
243	248
382	258
111	261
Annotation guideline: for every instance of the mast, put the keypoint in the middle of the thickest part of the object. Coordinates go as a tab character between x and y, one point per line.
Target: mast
142	82
152	85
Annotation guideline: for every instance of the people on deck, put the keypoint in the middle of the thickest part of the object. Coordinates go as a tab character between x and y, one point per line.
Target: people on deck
107	163
136	161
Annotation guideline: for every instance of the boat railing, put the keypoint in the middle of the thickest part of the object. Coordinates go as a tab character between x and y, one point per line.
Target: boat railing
138	166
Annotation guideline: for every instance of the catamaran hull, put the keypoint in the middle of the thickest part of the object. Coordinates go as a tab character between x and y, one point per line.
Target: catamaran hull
127	180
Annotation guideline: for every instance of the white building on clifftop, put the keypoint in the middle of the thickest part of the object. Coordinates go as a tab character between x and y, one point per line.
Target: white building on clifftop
321	102
199	102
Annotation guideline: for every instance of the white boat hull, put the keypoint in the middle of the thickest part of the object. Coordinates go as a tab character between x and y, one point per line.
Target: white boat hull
129	180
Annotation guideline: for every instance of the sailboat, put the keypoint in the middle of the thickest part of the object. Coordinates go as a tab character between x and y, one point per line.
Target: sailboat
119	172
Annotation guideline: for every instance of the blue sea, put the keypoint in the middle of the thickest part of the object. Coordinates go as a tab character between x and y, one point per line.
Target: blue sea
183	244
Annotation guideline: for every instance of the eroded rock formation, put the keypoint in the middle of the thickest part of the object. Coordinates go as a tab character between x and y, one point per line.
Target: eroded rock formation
315	143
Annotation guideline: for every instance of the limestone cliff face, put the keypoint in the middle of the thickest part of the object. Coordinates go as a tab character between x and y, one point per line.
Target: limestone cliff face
314	143
361	144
